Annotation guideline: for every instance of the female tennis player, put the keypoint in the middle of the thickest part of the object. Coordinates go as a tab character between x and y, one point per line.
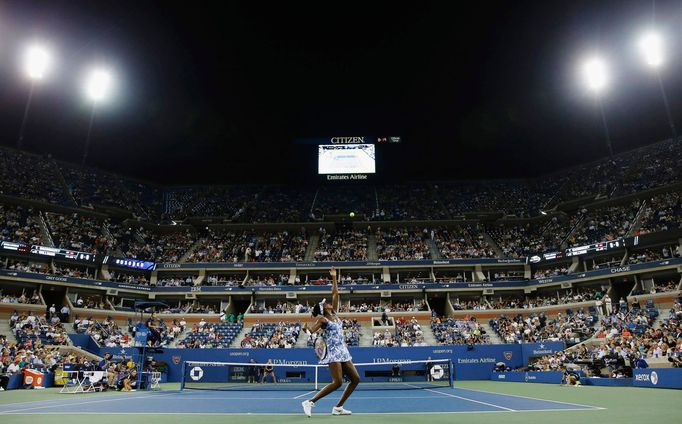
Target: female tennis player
331	348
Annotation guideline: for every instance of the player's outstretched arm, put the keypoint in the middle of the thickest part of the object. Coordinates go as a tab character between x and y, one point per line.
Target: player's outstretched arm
335	290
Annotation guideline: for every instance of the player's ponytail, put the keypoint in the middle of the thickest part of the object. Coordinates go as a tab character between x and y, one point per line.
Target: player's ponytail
317	310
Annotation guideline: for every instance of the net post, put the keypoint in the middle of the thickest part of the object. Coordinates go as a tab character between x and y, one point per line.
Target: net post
451	374
182	376
316	387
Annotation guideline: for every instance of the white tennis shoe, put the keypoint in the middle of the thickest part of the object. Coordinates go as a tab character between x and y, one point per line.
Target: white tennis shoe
338	410
308	407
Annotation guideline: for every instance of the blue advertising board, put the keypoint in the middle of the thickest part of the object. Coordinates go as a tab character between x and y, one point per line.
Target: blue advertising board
475	363
661	378
549	377
606	273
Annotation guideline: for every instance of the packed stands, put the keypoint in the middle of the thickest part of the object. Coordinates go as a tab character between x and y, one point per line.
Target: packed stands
461	242
571	328
31	177
344	245
458	331
19	224
402	243
272	335
78	231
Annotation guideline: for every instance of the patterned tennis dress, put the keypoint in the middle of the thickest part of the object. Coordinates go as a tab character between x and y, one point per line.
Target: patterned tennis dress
336	343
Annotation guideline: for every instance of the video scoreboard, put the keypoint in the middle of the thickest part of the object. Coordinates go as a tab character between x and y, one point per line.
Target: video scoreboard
45	251
344	158
603	246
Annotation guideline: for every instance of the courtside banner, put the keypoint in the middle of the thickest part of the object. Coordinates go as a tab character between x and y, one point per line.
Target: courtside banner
659	378
469	363
547	377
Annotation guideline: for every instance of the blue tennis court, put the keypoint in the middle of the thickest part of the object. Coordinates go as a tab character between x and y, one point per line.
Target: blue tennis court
424	401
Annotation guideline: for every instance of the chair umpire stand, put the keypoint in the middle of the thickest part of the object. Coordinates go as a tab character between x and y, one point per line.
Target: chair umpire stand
143	335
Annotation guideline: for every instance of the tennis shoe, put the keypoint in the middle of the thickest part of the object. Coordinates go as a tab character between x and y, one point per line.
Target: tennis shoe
308	407
338	410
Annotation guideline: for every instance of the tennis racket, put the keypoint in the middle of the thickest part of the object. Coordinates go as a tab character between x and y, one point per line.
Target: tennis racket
320	347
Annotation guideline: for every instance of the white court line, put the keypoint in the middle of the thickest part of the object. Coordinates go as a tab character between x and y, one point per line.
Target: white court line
86	402
270	414
533	398
472	400
330	397
305	394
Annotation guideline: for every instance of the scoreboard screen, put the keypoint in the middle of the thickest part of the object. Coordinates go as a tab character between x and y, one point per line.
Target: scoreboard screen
346	159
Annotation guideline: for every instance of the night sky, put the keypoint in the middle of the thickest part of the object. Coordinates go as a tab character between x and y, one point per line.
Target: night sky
217	92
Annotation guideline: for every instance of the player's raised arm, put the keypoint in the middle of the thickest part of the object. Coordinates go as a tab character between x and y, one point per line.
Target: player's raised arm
335	290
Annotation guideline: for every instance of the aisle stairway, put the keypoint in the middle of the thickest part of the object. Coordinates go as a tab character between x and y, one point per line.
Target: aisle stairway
366	334
237	341
492	244
494	337
662	315
191	250
429	338
433	249
5	330
313	242
372	248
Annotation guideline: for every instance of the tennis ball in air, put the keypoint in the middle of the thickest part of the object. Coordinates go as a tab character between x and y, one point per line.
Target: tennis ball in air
352	214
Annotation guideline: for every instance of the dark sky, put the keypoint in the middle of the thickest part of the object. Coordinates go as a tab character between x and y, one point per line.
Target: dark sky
214	92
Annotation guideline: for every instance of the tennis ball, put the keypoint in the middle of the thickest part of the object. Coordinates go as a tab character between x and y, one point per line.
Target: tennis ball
352	214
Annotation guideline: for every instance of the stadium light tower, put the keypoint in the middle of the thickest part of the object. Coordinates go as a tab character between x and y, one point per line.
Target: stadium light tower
36	64
652	49
98	86
595	75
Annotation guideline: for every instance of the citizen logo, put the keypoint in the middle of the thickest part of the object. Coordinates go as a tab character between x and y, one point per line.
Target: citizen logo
347	140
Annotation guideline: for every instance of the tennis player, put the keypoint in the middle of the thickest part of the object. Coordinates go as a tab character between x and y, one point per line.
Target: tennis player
336	354
269	370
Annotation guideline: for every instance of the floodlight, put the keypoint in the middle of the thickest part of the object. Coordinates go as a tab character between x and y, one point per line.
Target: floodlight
595	74
36	62
98	85
651	47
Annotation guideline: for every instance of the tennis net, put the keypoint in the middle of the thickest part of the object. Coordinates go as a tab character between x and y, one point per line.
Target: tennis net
402	375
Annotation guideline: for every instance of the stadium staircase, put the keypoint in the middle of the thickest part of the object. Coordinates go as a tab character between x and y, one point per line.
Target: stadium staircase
237	341
637	222
492	244
578	225
5	330
191	250
494	337
45	231
181	336
372	248
429	338
66	187
433	249
313	242
366	336
663	314
302	341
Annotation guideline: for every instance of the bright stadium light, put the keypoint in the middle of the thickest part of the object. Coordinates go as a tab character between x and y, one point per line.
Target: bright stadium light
98	85
36	62
98	88
595	74
651	48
